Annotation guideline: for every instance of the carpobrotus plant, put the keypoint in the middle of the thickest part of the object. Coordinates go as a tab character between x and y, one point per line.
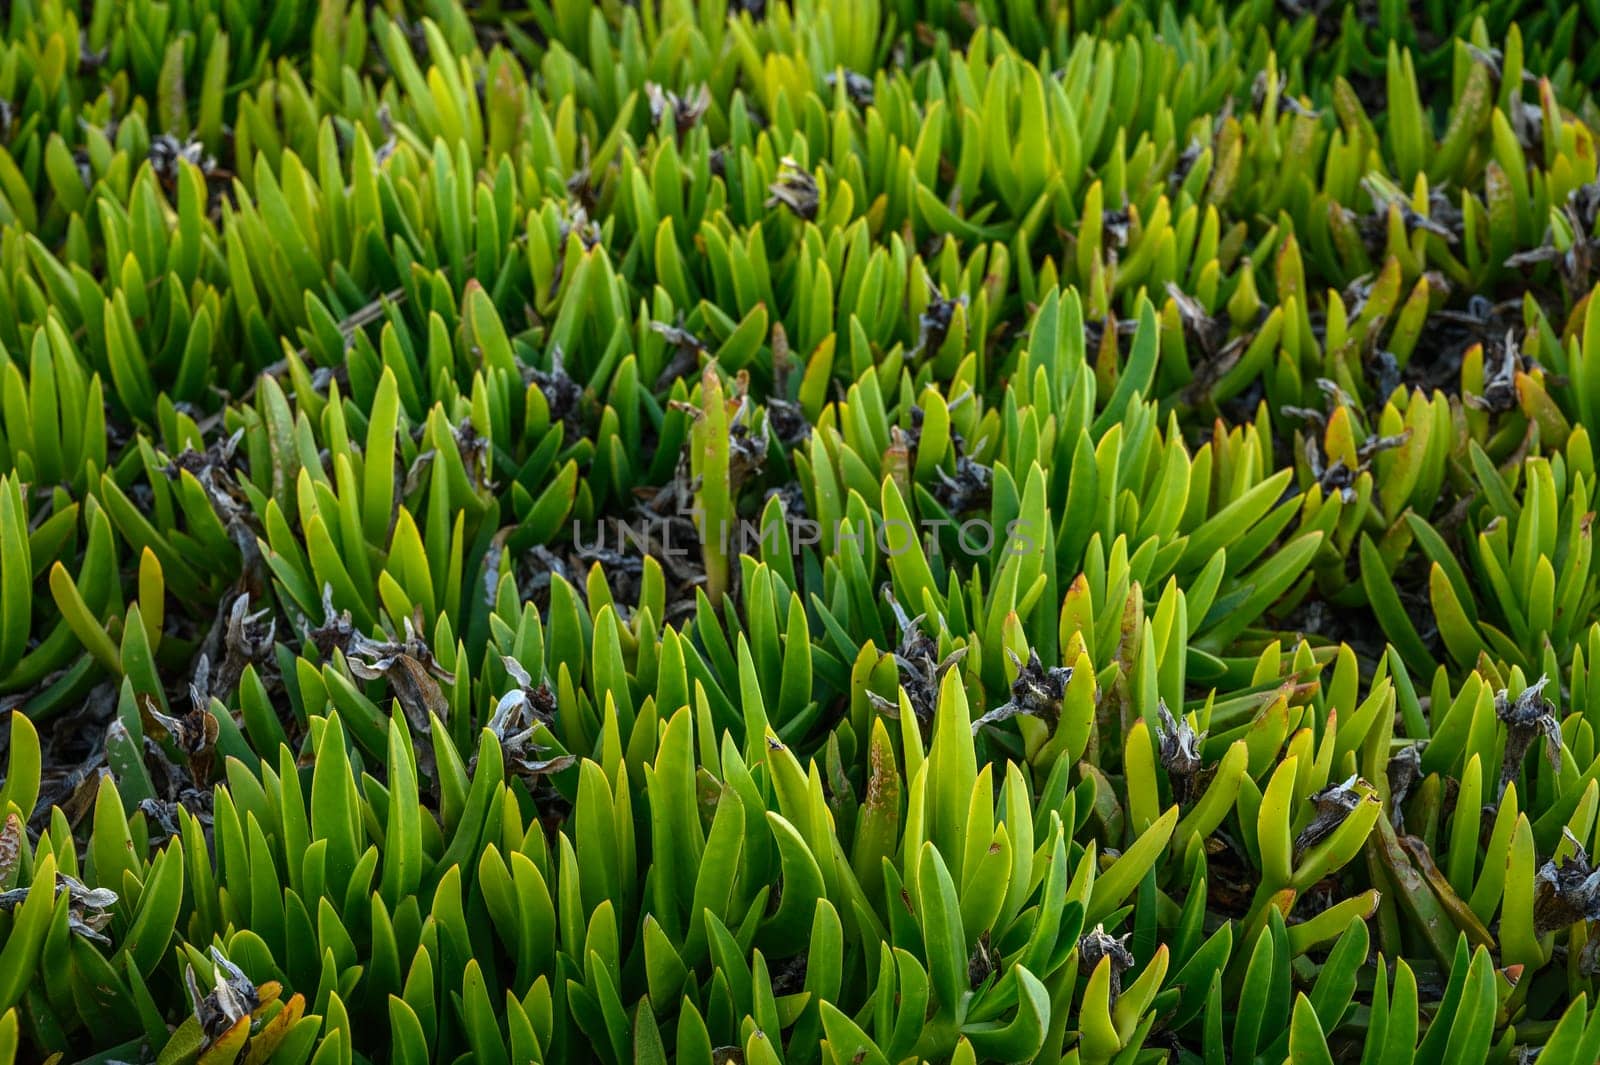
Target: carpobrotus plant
818	532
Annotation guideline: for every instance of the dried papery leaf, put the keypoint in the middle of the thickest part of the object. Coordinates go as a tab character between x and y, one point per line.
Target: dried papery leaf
1589	956
217	469
1116	226
1212	370
476	455
377	657
576	224
1182	167
1336	478
162	815
1576	262
1545	253
88	909
520	764
1583	203
417	473
84	896
524	705
1337	396
90	60
1443	219
1287	103
517	716
1376	445
416	689
414	677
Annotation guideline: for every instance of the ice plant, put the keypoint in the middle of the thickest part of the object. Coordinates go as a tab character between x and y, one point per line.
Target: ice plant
810	532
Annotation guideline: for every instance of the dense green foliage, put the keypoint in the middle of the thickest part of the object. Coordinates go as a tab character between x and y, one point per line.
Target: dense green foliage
1167	629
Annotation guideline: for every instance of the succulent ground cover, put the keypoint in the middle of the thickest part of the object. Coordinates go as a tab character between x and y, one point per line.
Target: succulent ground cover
816	532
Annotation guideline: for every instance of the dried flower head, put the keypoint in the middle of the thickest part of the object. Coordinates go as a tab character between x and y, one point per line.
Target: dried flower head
1502	362
11	835
1570	242
933	324
562	395
1037	692
747	445
88	909
921	669
233	998
858	87
194	732
1405	769
686	351
519	713
1527	717
1567	892
685	110
411	670
1179	749
247	639
1098	944
1333	804
784	416
795	189
983	962
337	630
166	152
971	488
